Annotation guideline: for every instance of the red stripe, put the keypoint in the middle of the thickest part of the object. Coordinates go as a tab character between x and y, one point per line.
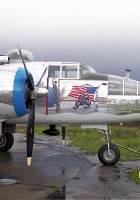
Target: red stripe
47	97
77	90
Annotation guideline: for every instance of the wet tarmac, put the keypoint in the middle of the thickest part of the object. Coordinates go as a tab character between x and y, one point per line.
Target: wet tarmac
62	172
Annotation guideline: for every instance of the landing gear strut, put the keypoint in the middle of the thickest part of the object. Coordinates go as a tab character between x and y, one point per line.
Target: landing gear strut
108	154
63	134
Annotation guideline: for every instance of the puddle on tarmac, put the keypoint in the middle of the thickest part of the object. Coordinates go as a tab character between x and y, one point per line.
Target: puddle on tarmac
108	173
6	156
104	174
7	181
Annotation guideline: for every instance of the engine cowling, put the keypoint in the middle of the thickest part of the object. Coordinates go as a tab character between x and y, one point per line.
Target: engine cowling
14	101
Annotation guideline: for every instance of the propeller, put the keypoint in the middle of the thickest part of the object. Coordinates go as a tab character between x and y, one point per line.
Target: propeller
33	93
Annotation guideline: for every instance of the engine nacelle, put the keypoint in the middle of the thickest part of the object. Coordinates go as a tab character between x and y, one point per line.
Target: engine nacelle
13	92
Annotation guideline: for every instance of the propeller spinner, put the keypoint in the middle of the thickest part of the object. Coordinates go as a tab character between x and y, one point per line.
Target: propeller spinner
33	93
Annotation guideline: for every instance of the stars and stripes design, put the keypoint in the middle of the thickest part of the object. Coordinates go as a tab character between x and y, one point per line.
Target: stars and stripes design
85	90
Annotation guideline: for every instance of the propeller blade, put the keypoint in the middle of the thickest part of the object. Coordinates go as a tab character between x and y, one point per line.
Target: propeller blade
30	132
31	117
30	83
37	85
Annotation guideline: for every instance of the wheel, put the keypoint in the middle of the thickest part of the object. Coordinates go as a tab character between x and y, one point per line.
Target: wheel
105	158
6	142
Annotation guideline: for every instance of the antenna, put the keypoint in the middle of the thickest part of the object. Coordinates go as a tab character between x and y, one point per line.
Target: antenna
128	71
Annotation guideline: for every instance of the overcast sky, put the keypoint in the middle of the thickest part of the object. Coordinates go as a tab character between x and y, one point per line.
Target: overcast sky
102	33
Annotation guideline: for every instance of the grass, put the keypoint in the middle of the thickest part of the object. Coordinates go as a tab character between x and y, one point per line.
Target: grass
56	187
38	129
134	175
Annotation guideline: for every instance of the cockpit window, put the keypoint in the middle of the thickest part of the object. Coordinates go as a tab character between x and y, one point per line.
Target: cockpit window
69	72
86	70
54	71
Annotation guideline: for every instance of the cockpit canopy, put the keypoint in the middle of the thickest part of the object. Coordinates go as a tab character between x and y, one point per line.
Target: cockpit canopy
15	56
86	70
70	70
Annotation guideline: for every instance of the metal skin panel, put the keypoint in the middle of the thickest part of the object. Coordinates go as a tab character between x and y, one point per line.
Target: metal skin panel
66	119
7	76
123	95
12	92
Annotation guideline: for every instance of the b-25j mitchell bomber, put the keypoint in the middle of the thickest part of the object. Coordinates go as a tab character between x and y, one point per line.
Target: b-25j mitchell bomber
77	95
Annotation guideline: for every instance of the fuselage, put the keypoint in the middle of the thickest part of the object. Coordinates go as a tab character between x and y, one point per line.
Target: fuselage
78	95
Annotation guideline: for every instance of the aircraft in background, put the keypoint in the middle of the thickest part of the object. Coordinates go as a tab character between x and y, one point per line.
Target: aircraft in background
77	95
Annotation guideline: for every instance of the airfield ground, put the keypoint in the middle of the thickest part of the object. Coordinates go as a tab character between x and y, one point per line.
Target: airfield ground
63	172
